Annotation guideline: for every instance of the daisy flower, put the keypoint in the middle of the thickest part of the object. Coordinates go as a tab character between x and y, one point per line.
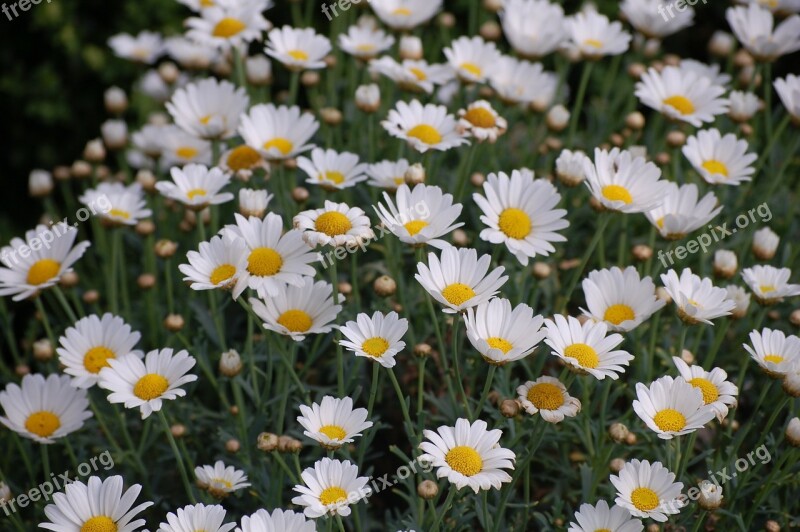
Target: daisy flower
681	212
378	337
44	410
774	351
671	407
719	160
297	311
144	384
39	261
468	455
243	161
145	47
150	139
502	334
682	95
481	122
718	392
298	48
472	58
755	28
534	28
648	490
332	170
87	346
570	167
425	128
336	224
594	36
788	90
548	397
220	480
460	279
741	298
744	105
600	517
333	422
420	216
98	505
651	22
769	284
209	109
178	148
228	24
698	300
624	182
586	348
196	186
125	204
189	54
278	132
522	82
331	486
198	517
277	521
405	14
519	211
620	298
414	75
365	42
387	174
218	264
704	70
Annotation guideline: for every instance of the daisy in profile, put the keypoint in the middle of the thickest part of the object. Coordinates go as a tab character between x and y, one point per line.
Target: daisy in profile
502	334
277	521
681	212
332	170
44	410
197	517
549	398
218	264
744	105
145	47
718	392
682	95
519	211
415	75
671	407
468	455
179	148
755	28
522	82
120	204
196	186
189	54
87	346
405	14
98	505
337	224
273	257
228	24
30	266
331	486
698	300
775	352
297	311
254	202
428	127
150	139
364	42
648	490
387	174
621	299
278	132
145	384
624	182
600	517
586	348
243	161
220	480
652	23
298	48
719	160
460	280
594	36
472	58
705	70
534	28
333	422
788	90
770	284
209	109
481	122
420	216
378	337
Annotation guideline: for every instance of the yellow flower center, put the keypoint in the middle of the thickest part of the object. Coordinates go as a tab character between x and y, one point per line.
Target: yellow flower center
681	103
617	193
399	180
332	495
415	226
660	223
710	391
296	320
472	68
365	47
495	342
713	166
192	194
546	396
419	74
669	420
150	386
42	423
616	314
333	177
465	460
243	158
186	152
402	11
281	144
119	213
42	271
480	117
644	499
766	288
101	523
221	483
96	358
425	133
375	346
457	293
333	223
228	27
602	530
298	55
205	119
206	3
334	432
775	359
264	262
222	273
584	354
514	223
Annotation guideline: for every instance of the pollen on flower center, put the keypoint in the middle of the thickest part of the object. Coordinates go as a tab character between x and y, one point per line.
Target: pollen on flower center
546	396
402	11
222	273
281	144
515	223
458	293
96	358
243	158
264	262
100	523
495	342
644	499
192	194
584	354
119	213
472	68
298	55
375	346
415	226
228	27
464	460
150	386
419	74
710	391
425	133
669	420
617	193
42	423
594	43
296	320
332	495
775	359
42	271
616	314
766	288
334	432
680	103
480	117
186	152
333	223
332	176
712	166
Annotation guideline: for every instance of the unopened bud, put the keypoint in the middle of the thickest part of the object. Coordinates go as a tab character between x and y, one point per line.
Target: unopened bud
509	408
384	286
174	322
267	442
428	489
230	363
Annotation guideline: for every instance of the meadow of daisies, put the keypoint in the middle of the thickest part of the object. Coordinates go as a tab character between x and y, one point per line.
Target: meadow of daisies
408	265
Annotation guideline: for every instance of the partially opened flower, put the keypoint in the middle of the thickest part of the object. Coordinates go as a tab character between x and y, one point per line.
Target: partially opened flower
179	148
648	490
682	95
217	264
377	337
755	28
788	90
770	284
672	407
502	334
333	422
624	182
414	75
522	82
774	351
534	28
427	127
720	160
705	70
697	299
593	35
585	347
620	298
600	517
298	48
682	211
190	54
718	392
116	204
278	132
331	169
420	216
296	311
196	186
387	174
277	521
549	398
228	24
653	23
198	517
209	109
145	47
331	486
472	58
220	480
337	224
405	14
365	43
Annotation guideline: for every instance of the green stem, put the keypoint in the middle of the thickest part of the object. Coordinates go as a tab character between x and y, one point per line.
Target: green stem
181	466
45	320
587	71
485	393
447	503
64	303
457	366
601	227
403	406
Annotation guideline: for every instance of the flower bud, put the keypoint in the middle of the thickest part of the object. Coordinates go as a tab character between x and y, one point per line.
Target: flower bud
40	183
368	98
741	297
676	138
233	446
618	432
115	100
743	105
423	350
794	318
721	44
428	489
310	78
384	286
165	248
69	279
230	363
410	47
569	167
80	169
710	495
765	243
5	493
253	202
641	252
115	134
725	263
178	430
791	382
772	526
42	350
267	442
258	70
174	322
557	118
94	151
635	120
415	175
509	408
793	432
91	296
